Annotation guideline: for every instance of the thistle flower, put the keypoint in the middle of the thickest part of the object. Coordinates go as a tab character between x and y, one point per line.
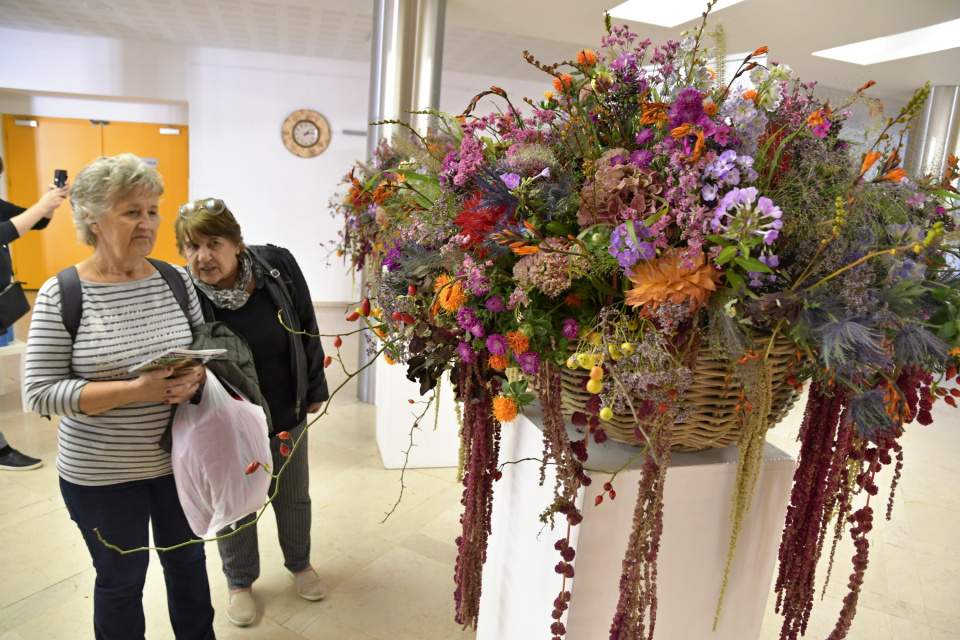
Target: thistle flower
504	409
570	330
518	342
498	363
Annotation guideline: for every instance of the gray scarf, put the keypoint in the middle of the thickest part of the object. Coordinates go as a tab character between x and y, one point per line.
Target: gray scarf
234	297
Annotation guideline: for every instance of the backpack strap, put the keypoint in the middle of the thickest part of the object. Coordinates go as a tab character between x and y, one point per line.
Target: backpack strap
71	294
71	300
175	282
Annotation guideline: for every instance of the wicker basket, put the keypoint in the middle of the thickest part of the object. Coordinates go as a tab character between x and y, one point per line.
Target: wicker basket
713	423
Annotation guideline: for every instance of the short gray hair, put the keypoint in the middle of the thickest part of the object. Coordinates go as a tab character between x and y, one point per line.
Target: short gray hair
101	183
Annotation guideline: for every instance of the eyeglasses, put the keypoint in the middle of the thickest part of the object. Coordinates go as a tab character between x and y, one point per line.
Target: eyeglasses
192	209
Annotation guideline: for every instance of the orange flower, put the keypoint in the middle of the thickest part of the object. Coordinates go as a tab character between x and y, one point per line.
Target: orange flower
573	300
389	360
518	342
815	118
548	95
526	250
504	409
749	95
653	113
675	278
710	108
498	363
894	175
869	84
868	161
759	52
451	296
563	83
713	74
586	58
681	131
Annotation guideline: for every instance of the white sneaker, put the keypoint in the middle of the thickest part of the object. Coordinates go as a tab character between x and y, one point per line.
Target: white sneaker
309	585
242	609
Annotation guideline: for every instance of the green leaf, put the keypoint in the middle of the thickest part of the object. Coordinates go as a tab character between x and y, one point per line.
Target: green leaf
941	295
735	279
752	264
556	228
726	255
720	240
947	331
604	287
632	232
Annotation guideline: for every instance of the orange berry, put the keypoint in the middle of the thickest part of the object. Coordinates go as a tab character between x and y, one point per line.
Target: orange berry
337	342
284	450
284	435
253	466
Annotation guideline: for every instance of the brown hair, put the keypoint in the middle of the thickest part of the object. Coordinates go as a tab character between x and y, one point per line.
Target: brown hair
206	223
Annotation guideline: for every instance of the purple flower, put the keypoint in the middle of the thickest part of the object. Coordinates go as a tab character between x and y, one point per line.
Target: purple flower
495	304
497	344
570	329
529	361
644	137
512	180
641	157
688	109
466	353
466	318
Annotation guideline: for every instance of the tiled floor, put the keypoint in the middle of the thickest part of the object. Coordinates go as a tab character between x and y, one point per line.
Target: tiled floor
394	580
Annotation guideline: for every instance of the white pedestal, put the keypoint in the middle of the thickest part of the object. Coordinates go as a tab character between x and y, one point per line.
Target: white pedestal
519	583
16	348
395	418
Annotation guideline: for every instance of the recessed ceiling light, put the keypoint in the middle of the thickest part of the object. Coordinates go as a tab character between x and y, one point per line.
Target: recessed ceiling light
937	37
665	14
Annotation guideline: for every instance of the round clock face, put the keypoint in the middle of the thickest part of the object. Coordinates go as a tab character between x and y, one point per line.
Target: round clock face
305	133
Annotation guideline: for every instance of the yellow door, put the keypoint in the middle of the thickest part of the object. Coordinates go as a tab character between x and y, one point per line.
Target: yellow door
169	154
32	155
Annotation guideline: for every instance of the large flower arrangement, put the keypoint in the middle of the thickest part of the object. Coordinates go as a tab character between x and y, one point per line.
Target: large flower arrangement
650	208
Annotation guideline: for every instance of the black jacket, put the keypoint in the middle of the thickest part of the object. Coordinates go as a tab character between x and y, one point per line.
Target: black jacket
278	270
8	233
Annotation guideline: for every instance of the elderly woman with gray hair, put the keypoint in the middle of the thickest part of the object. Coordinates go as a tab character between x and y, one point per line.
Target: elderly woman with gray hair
114	476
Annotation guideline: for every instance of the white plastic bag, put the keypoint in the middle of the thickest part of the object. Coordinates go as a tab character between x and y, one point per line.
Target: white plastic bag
213	442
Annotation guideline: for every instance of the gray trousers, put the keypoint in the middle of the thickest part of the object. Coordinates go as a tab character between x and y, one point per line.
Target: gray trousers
240	553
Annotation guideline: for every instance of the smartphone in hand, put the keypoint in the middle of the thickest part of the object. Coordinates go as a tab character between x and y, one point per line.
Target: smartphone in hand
59	178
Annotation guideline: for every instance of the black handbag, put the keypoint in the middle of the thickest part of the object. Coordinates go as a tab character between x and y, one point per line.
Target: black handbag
13	305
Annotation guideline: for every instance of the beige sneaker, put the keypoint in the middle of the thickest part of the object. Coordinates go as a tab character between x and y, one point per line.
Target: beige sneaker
242	609
309	585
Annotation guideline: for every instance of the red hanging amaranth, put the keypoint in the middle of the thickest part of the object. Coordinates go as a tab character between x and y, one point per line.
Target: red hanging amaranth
481	448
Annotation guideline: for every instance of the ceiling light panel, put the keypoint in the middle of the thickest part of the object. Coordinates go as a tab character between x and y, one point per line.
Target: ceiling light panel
665	14
938	37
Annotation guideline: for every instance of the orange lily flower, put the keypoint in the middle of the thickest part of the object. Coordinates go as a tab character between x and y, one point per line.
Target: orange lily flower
894	175
653	113
527	250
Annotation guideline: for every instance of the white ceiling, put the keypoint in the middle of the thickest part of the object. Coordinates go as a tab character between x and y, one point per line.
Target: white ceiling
489	36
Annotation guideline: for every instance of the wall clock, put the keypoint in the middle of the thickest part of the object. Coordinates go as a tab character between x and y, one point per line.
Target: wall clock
305	133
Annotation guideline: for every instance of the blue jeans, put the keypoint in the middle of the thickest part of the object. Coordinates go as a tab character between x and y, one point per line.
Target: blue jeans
122	513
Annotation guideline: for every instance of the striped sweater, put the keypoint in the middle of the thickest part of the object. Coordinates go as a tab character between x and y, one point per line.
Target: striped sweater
121	325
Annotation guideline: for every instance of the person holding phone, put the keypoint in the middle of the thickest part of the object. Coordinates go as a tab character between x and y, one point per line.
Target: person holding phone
15	222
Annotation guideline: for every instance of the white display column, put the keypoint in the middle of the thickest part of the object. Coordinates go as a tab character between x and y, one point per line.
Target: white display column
438	447
519	582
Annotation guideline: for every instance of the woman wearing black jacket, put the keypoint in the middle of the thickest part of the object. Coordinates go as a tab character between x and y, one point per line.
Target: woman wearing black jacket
245	287
15	222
